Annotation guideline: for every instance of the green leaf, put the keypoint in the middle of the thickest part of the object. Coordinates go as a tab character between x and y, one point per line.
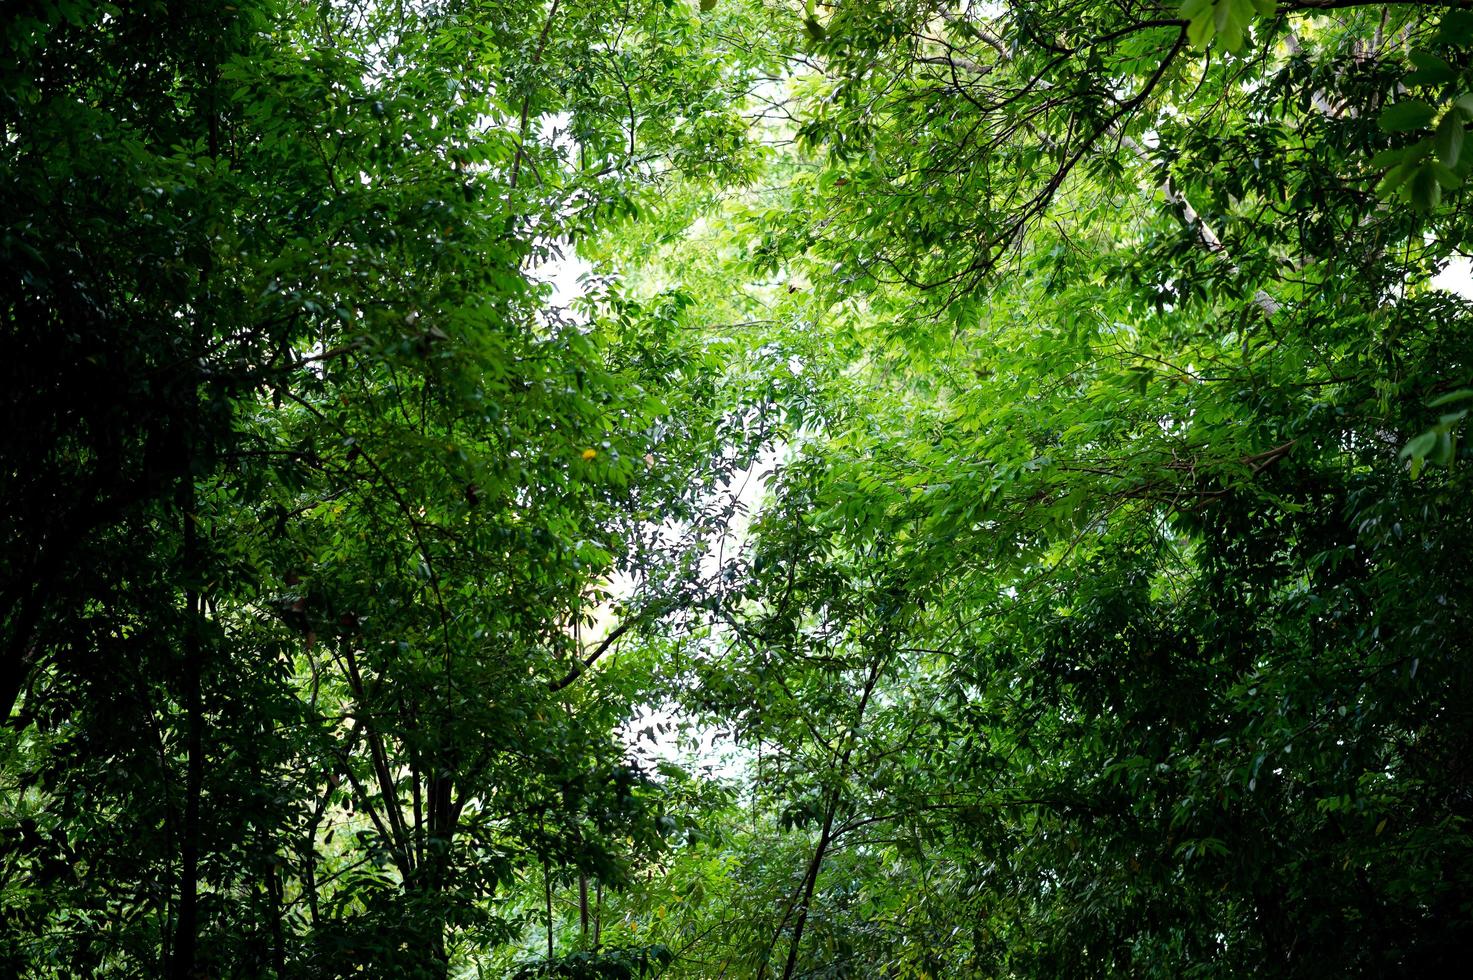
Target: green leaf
1455	30
1224	19
1232	18
1394	180
1200	31
1406	116
1449	138
1444	175
1462	394
1420	446
1425	187
1388	158
1430	69
1446	446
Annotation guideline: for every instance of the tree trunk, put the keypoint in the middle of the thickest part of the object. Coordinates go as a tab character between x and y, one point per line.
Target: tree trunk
583	906
186	929
810	880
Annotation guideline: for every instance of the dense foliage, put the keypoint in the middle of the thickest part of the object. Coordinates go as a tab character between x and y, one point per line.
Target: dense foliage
1025	438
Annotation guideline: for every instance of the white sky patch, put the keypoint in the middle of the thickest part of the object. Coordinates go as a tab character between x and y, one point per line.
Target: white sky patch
656	734
1456	277
564	275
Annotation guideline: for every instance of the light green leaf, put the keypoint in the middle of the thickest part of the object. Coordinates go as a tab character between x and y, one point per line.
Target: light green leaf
1462	394
1420	446
1394	180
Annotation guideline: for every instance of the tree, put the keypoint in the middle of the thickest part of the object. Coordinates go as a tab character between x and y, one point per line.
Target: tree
1121	482
313	493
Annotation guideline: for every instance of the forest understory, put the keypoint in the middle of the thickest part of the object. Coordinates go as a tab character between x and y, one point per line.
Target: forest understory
753	489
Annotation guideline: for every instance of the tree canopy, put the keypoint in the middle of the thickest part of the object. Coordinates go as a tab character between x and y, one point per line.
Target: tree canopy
994	502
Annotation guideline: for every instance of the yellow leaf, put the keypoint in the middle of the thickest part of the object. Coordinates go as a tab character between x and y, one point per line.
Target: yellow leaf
590	453
1381	826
